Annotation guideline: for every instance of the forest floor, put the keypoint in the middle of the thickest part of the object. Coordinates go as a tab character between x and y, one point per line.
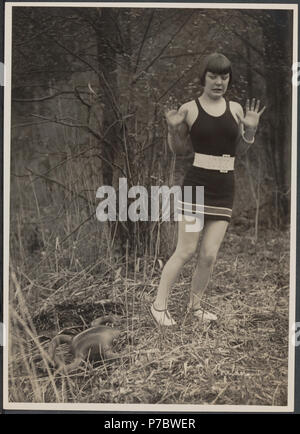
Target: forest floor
241	359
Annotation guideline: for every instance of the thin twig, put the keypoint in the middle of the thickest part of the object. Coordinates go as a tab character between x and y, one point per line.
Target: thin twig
155	58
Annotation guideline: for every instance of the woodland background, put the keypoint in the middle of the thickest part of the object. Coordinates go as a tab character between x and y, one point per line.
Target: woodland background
89	91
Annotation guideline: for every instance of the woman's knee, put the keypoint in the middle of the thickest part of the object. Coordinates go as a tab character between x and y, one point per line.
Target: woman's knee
185	253
208	257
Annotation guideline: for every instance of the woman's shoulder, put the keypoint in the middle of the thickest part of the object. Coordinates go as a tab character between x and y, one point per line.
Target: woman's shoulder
187	105
236	107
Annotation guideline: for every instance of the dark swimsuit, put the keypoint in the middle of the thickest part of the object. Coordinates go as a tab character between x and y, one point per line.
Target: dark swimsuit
213	135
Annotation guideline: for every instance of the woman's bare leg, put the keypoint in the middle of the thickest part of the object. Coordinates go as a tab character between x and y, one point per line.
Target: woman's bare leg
186	247
212	237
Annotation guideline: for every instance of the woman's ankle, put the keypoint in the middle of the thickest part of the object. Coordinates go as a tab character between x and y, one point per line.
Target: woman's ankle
195	301
158	305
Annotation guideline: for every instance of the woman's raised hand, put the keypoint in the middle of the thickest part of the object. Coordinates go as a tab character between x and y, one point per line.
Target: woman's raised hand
175	118
251	118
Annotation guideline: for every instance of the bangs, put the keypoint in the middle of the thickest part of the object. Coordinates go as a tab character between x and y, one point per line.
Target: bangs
216	63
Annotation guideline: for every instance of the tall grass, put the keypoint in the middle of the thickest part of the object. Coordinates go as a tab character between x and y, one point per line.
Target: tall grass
241	359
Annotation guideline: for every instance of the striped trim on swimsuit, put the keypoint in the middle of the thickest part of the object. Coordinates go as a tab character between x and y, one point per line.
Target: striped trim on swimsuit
194	209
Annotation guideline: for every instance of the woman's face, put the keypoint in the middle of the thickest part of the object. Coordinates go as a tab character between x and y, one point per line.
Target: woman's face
216	84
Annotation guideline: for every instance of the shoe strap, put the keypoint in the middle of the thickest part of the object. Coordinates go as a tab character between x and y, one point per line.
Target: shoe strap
193	309
158	310
161	310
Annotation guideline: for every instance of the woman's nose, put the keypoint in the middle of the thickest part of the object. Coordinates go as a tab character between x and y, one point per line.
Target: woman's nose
218	79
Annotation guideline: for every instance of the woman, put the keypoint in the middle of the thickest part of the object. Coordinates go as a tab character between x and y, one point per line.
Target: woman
214	126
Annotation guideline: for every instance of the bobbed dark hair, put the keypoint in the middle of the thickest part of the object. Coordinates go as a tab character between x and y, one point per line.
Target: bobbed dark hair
216	63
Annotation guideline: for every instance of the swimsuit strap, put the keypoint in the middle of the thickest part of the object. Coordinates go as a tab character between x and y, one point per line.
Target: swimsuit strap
198	105
227	105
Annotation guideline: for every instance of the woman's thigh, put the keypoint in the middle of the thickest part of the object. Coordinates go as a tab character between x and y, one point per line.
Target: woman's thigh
188	240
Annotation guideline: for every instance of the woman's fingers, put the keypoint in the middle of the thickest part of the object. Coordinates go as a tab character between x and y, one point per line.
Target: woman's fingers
183	113
247	105
174	117
170	112
262	110
250	105
254	106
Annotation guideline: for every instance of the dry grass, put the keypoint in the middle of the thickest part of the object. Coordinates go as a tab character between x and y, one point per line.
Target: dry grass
240	359
65	272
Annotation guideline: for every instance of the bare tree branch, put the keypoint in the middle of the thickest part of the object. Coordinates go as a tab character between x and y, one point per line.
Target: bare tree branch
33	37
68	124
196	63
143	40
78	227
78	95
61	163
119	32
28	124
43	98
54	181
163	49
99	74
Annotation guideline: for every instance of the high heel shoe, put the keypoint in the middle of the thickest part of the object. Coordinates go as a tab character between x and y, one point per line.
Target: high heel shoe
162	317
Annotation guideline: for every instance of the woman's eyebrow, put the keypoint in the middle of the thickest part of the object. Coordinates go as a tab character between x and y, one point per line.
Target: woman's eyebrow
218	73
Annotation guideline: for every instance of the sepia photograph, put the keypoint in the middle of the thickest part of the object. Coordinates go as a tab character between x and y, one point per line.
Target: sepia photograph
150	157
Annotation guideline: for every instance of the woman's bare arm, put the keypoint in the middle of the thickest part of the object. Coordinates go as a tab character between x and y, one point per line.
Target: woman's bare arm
249	122
178	130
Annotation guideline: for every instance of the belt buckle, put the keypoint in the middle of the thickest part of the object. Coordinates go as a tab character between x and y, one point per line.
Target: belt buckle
223	170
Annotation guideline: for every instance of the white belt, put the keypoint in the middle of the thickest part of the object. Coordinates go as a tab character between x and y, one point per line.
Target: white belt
222	163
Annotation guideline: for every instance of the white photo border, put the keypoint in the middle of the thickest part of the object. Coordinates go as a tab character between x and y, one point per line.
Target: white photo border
6	216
